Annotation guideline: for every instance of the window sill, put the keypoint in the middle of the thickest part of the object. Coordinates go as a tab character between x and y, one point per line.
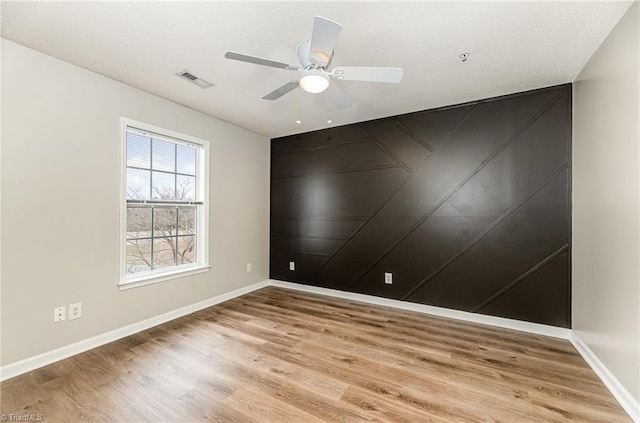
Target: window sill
136	282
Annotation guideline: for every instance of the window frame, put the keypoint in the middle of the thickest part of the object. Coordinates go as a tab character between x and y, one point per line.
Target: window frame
201	265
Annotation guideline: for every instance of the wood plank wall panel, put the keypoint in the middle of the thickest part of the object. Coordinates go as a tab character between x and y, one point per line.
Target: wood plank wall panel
468	207
353	156
349	195
320	139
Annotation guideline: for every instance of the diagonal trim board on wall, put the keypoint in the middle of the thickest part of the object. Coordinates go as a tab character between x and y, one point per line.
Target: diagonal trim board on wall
480	223
625	399
459	186
521	278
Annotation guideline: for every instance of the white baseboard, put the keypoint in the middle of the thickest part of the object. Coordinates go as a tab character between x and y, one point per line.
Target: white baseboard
624	397
19	367
528	327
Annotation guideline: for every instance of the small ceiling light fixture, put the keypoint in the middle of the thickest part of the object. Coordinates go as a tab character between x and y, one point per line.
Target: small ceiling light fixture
329	121
314	81
298	121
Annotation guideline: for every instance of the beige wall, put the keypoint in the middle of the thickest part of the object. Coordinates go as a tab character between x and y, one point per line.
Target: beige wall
60	199
606	200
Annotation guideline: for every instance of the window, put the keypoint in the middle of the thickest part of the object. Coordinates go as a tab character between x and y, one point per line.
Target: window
164	204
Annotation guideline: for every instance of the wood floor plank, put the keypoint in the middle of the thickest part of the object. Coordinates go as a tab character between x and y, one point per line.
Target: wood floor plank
493	357
438	328
345	341
278	355
261	408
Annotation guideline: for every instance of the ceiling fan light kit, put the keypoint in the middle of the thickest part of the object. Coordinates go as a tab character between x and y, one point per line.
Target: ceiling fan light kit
314	81
315	55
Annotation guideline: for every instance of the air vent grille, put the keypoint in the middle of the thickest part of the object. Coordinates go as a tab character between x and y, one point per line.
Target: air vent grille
188	76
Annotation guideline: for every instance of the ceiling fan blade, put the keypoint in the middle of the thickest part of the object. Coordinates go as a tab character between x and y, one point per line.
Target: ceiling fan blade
355	73
323	40
258	61
339	98
279	92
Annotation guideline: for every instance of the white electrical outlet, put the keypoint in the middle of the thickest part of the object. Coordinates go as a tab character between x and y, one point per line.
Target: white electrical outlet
388	278
292	265
249	267
59	314
75	311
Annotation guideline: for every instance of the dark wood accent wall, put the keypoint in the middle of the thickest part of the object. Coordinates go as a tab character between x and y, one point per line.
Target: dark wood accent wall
467	206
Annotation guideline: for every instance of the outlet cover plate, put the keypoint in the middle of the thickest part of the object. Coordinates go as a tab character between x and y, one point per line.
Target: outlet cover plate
59	314
75	311
388	278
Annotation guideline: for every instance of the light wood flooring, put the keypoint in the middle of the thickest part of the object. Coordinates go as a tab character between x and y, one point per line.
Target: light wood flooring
285	356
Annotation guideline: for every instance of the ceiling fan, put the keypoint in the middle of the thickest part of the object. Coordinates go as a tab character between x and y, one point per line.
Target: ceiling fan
315	55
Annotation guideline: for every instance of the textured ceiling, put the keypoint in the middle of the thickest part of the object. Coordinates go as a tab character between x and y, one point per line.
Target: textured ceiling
514	46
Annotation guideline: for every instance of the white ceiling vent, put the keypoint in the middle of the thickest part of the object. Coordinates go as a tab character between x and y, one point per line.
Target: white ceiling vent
185	74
